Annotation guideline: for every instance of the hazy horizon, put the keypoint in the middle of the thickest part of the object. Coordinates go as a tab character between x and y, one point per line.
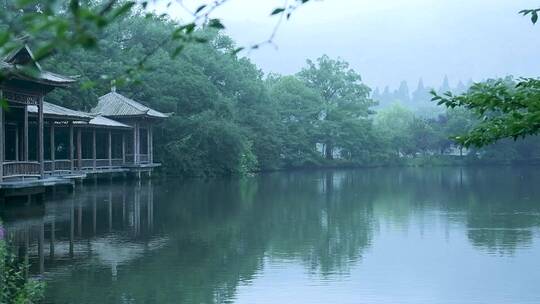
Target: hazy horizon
388	41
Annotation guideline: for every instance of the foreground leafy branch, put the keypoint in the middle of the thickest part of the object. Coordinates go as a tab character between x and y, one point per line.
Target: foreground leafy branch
506	109
56	25
532	12
15	287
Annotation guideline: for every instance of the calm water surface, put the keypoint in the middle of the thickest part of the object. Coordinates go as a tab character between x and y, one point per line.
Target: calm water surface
367	236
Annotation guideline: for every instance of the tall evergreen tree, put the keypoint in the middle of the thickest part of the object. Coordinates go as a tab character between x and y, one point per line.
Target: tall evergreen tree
421	95
376	94
460	88
445	87
386	96
402	94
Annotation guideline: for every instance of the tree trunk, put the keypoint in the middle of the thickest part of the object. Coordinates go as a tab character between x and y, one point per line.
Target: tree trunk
329	151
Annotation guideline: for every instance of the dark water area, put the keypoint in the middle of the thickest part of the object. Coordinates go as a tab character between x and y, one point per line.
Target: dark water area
443	235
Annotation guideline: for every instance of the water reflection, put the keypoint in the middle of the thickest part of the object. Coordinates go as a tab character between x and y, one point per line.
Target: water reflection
198	242
94	221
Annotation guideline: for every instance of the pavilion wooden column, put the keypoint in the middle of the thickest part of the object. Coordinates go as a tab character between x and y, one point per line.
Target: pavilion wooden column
40	138
135	144
71	146
17	143
110	148
123	148
2	146
94	146
53	146
149	144
79	149
25	134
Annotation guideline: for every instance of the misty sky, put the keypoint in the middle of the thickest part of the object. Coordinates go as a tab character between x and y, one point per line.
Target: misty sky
387	41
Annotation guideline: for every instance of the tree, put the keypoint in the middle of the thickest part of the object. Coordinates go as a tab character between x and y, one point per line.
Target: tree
376	95
392	124
344	97
423	137
460	88
298	108
402	94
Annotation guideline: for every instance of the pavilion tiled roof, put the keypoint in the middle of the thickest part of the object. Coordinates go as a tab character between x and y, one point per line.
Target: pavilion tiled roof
102	121
81	118
20	64
117	105
55	111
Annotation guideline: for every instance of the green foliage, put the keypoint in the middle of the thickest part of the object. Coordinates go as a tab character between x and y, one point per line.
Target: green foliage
345	101
229	119
533	13
206	145
15	287
298	107
67	25
392	124
506	109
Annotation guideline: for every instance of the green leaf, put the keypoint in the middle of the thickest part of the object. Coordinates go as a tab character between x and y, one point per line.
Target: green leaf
200	8
4	103
216	23
237	50
4	38
74	7
123	9
277	11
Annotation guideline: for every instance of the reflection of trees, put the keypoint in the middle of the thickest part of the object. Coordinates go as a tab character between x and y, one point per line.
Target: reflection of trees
502	210
195	242
496	205
193	251
217	235
323	221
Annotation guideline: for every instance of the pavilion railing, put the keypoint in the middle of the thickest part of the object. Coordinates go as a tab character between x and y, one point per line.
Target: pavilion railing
143	158
47	166
60	165
21	169
86	164
102	163
32	168
130	158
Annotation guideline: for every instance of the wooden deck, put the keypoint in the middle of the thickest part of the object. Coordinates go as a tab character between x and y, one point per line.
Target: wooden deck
29	182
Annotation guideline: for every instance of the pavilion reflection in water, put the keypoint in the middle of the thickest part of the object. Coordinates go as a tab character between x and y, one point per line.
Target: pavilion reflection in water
113	224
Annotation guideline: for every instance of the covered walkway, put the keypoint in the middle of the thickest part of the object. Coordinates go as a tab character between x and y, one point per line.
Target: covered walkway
41	141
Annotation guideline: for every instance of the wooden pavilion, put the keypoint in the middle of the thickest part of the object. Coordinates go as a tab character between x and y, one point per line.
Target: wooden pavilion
45	144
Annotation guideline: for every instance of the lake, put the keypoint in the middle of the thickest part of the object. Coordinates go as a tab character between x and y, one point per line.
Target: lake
432	235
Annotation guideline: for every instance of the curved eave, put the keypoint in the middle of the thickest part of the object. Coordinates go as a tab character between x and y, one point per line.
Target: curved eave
61	117
13	73
143	116
81	124
62	84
